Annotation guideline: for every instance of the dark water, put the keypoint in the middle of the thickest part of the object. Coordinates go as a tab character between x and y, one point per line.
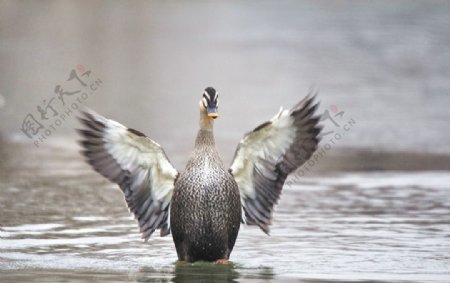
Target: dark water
377	206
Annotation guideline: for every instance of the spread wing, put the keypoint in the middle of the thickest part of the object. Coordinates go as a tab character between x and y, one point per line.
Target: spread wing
266	156
136	163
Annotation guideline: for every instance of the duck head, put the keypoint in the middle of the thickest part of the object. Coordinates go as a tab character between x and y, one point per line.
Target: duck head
210	103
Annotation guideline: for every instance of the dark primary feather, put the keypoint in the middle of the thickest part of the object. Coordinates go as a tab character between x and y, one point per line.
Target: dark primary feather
134	184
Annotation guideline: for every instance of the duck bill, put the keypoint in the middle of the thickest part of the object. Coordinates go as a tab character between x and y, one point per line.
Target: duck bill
213	115
212	112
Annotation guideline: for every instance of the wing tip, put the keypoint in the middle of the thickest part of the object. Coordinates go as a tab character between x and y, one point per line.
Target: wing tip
88	116
164	231
85	113
307	103
265	229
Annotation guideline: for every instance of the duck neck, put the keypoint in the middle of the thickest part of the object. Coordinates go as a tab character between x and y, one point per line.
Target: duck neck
206	123
205	136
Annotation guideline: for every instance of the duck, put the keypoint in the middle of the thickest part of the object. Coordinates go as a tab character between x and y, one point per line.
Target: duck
203	206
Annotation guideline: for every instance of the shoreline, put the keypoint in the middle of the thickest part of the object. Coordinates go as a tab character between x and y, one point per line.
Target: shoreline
346	159
339	159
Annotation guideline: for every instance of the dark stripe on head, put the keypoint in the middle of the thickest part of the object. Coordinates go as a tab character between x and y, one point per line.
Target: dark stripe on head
211	96
211	93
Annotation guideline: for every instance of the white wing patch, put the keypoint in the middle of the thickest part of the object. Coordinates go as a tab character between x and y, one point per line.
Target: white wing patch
136	163
266	156
133	152
269	143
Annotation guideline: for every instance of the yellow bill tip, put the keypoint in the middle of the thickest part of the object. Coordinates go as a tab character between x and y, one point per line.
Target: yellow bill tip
213	115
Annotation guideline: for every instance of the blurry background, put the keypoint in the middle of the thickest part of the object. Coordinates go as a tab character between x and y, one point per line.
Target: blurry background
382	69
386	64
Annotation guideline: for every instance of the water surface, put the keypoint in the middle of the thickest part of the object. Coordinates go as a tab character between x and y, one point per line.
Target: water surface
60	221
